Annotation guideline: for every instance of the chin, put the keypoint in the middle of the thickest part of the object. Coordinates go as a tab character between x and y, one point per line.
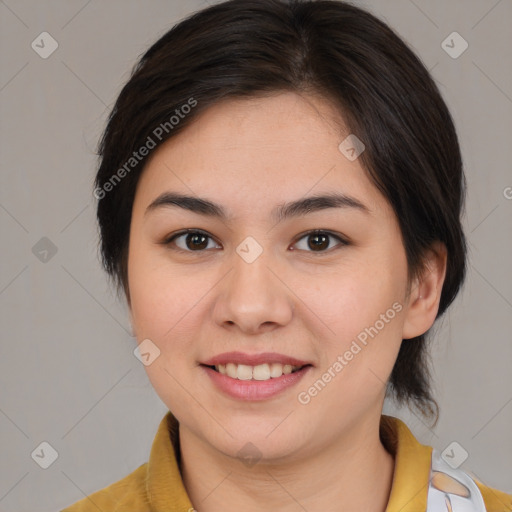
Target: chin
258	439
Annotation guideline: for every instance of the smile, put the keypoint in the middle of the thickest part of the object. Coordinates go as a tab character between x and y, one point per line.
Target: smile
260	372
254	377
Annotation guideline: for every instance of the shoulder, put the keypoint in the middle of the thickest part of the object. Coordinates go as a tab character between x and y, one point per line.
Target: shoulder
130	490
495	501
444	487
452	488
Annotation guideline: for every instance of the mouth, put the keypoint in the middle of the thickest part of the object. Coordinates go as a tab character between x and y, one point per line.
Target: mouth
254	377
261	372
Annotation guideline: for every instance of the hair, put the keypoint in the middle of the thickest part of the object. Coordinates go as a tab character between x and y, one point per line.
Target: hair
382	91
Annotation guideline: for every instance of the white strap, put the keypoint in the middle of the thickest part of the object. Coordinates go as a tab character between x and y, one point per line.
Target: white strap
451	490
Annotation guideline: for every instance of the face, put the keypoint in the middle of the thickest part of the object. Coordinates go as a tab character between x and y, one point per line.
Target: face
263	290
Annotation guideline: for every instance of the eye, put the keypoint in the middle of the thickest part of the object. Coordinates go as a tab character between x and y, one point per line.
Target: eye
193	240
319	241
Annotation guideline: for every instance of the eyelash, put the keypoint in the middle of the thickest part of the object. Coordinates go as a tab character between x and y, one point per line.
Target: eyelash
171	238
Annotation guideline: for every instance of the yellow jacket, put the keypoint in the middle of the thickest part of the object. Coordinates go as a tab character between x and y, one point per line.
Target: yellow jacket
156	486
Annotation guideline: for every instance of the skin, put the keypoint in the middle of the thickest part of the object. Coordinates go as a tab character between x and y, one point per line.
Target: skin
249	156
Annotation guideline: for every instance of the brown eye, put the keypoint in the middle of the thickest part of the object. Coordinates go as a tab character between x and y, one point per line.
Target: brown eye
196	241
190	241
319	241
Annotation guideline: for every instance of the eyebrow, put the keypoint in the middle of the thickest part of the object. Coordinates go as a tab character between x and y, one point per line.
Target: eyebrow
203	206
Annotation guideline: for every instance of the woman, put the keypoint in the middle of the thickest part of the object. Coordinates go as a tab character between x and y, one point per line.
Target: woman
279	199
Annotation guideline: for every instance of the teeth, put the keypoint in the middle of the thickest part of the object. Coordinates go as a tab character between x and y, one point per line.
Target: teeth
276	370
261	372
231	370
244	372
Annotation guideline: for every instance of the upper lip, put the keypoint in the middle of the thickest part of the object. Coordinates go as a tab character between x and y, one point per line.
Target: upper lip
253	359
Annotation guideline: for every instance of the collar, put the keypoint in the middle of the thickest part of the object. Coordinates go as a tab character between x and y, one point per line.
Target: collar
166	492
411	475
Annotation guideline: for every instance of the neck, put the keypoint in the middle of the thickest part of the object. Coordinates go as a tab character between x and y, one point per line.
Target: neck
355	473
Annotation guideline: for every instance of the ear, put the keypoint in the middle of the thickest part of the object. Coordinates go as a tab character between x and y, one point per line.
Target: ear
423	301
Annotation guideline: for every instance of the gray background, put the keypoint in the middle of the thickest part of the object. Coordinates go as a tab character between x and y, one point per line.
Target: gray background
68	375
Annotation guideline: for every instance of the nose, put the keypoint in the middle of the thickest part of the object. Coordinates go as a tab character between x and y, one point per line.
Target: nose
253	297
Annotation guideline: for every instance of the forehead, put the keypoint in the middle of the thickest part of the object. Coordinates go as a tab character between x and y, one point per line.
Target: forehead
258	152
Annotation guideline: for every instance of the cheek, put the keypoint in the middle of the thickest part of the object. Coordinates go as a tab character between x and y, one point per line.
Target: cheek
162	296
359	318
347	302
359	325
163	310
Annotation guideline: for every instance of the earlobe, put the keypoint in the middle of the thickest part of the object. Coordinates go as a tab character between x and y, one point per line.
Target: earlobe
425	294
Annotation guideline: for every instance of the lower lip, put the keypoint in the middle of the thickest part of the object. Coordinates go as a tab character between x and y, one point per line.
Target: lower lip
253	390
